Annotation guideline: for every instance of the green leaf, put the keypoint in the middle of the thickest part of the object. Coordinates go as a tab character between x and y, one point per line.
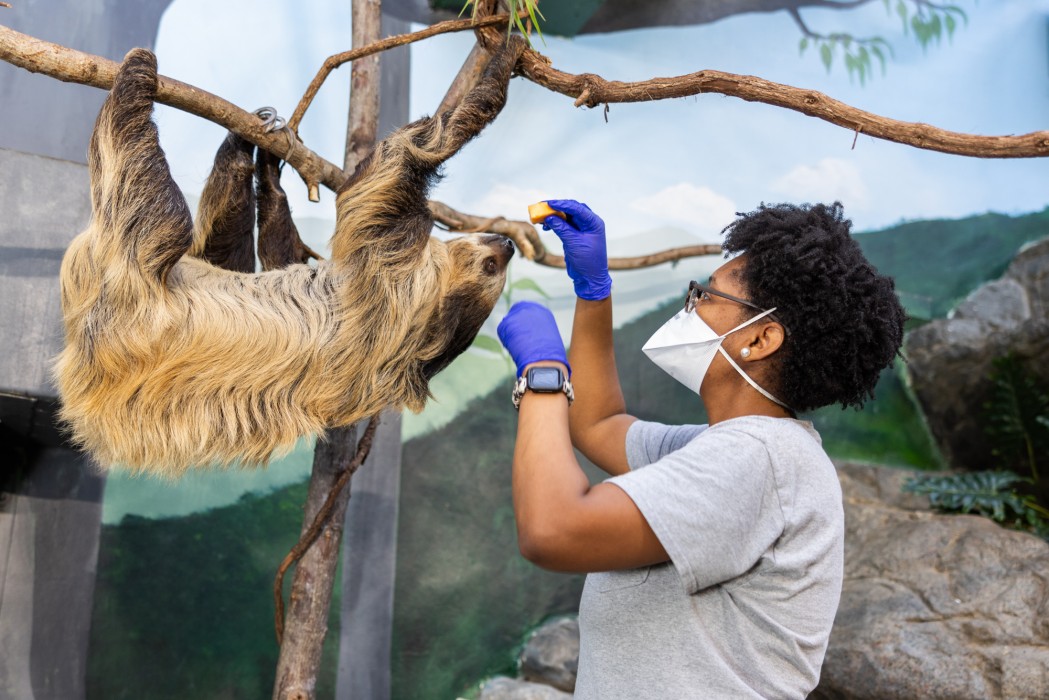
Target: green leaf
826	55
530	284
920	30
936	27
804	44
901	10
881	57
955	10
850	65
487	343
949	21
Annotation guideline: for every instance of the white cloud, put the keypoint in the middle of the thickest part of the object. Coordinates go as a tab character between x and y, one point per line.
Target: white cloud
702	209
506	200
830	179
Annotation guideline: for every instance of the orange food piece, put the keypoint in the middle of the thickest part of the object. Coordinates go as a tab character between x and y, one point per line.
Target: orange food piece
540	210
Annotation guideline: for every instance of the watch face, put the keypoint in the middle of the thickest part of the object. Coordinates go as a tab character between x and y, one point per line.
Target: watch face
544	379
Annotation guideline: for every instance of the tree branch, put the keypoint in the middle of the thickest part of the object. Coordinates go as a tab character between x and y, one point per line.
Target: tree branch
333	62
524	235
72	66
594	90
467	77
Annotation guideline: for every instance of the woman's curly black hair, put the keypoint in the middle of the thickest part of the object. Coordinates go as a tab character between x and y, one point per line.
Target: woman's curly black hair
845	322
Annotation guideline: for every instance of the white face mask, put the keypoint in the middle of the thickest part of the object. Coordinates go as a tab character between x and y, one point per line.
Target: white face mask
685	346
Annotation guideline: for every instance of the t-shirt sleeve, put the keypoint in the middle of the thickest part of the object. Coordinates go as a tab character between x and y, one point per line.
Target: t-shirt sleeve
713	505
648	442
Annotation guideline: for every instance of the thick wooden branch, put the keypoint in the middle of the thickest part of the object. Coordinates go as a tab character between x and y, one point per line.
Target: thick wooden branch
524	235
72	66
592	90
465	80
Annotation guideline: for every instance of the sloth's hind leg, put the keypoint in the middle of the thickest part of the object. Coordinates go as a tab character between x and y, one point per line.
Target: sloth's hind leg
138	210
279	242
225	227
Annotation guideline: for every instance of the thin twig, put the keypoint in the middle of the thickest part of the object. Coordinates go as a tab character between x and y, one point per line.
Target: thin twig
333	62
307	540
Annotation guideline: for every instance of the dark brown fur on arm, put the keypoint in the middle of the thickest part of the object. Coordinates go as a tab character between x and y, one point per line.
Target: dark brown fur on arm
226	215
136	203
279	241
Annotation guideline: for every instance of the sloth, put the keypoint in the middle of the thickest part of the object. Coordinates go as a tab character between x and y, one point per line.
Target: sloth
179	354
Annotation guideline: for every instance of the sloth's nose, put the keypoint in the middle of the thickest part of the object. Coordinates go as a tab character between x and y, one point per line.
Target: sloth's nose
502	245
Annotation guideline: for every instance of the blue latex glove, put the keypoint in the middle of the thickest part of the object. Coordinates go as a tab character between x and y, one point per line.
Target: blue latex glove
529	333
583	237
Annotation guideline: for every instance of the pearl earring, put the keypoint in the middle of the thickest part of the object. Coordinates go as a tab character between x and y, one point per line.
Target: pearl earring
745	353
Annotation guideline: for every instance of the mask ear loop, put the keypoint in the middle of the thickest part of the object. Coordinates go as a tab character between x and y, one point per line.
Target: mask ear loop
754	384
739	369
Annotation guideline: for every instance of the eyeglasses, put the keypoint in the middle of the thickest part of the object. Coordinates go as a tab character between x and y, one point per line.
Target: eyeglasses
700	292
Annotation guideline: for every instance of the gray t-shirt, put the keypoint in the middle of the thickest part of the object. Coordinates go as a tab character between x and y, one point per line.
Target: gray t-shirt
750	512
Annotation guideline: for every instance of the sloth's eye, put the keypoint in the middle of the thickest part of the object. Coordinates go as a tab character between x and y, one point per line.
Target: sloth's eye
490	266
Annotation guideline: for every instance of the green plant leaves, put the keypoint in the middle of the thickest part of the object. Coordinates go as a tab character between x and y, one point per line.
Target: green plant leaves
1017	417
1016	422
988	493
487	343
925	21
515	6
529	284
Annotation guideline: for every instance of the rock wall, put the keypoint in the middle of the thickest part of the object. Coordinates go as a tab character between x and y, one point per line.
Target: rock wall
949	360
934	606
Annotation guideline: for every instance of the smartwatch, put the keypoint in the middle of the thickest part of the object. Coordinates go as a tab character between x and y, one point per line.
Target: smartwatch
543	380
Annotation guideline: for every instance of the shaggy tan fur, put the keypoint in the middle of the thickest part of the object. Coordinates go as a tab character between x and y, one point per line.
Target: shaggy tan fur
172	362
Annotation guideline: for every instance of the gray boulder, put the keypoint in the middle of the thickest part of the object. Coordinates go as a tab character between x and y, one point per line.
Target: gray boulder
949	360
934	606
551	654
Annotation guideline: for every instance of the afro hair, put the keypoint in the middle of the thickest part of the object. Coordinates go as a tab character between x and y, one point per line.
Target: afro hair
844	321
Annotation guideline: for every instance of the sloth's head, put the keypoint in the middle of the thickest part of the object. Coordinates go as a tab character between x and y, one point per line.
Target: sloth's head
472	272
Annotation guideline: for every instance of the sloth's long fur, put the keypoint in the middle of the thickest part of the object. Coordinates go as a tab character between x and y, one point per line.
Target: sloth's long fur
179	355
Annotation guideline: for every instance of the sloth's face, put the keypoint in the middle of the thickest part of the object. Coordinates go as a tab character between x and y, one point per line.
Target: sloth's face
477	275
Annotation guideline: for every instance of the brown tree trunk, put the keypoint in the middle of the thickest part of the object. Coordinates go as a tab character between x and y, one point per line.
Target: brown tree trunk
306	623
306	618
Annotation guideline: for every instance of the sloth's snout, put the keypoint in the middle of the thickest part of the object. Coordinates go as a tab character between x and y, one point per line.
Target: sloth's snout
503	247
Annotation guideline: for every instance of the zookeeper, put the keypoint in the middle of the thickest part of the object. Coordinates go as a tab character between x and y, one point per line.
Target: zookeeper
714	552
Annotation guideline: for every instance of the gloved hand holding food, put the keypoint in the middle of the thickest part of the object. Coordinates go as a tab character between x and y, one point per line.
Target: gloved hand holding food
583	237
